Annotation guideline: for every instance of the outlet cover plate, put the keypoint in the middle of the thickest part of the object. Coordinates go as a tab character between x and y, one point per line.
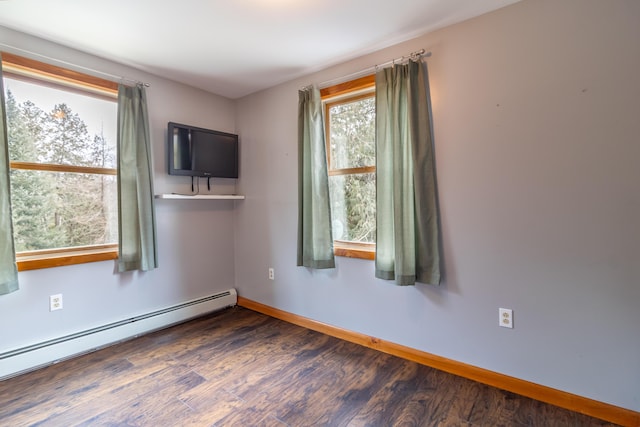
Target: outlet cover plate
506	317
55	302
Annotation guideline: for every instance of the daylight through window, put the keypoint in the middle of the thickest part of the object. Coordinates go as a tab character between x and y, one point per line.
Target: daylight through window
62	150
350	133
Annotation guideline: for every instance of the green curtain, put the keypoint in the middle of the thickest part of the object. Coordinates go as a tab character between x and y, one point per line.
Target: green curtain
136	210
407	224
315	241
8	269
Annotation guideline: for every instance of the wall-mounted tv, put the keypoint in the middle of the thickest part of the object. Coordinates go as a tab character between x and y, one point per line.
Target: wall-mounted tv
196	151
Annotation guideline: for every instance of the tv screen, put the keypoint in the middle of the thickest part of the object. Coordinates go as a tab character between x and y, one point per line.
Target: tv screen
196	151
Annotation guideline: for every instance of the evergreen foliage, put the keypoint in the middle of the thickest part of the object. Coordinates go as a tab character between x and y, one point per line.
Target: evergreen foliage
352	145
58	209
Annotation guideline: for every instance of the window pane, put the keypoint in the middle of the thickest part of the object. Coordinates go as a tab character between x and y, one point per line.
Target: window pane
353	207
60	210
352	134
49	125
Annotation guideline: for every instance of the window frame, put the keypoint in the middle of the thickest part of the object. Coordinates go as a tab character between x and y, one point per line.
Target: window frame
340	93
21	68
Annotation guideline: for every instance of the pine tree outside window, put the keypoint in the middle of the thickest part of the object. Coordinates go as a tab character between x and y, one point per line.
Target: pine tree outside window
350	134
62	148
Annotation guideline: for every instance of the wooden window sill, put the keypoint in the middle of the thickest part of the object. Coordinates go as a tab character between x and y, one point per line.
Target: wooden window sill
354	250
57	258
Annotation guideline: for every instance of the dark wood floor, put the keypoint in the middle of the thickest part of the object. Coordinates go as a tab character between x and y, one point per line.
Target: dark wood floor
241	368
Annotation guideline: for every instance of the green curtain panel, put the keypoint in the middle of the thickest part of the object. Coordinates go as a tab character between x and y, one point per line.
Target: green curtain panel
315	241
407	223
8	269
136	209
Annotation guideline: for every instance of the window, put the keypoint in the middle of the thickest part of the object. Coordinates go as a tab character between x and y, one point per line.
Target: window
351	155
62	148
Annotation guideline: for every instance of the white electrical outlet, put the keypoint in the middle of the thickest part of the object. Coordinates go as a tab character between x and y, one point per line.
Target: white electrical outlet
55	302
271	273
506	317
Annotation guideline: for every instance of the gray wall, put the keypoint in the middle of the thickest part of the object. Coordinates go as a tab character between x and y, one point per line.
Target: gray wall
537	117
536	111
195	237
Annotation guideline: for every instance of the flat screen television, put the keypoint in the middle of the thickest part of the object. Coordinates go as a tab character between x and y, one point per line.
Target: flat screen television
196	151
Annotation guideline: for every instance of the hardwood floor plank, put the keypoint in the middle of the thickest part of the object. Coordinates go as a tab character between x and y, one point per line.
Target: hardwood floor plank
202	336
412	389
140	409
247	344
212	399
251	417
39	383
468	405
241	368
55	393
247	367
131	393
217	407
337	386
174	413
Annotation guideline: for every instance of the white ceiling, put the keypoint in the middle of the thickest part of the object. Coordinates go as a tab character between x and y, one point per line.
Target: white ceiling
234	47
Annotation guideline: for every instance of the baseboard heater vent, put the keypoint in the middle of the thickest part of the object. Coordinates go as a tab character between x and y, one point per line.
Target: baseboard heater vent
20	360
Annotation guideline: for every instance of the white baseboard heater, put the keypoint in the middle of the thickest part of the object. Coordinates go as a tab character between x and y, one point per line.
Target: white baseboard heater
20	360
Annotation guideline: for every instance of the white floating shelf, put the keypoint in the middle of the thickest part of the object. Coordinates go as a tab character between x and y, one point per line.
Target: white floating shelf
201	196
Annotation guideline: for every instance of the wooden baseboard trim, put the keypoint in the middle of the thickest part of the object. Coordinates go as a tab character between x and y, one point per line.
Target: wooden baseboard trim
594	408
